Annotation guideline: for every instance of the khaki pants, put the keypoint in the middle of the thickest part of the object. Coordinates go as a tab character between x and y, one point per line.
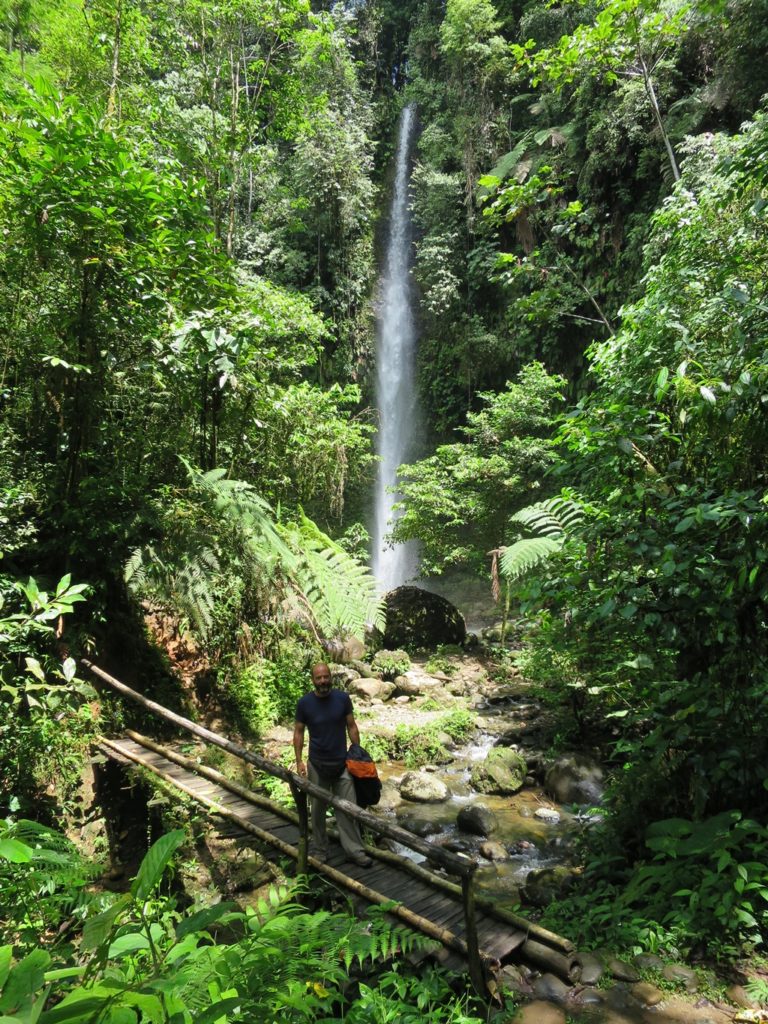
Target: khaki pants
349	830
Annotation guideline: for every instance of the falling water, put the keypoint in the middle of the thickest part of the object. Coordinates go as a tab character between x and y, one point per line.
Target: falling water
395	388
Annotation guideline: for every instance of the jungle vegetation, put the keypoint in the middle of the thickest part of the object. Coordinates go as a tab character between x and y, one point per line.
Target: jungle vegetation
191	206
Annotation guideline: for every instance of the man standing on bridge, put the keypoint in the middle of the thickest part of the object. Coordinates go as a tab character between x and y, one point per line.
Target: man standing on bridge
328	715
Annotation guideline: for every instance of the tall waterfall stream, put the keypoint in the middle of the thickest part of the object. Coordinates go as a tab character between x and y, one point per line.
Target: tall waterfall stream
395	367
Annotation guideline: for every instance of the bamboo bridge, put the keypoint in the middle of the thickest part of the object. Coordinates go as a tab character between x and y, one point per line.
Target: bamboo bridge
473	934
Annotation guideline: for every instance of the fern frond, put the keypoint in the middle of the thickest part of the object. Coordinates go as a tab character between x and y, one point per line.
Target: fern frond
188	586
527	554
550	518
133	571
341	593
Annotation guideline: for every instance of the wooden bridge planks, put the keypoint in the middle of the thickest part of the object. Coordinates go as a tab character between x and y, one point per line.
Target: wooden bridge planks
497	939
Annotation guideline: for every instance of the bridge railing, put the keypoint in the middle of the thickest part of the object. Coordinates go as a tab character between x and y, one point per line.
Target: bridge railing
301	787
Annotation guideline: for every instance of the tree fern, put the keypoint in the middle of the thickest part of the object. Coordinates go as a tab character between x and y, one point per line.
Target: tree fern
341	593
292	566
187	586
553	521
551	518
526	554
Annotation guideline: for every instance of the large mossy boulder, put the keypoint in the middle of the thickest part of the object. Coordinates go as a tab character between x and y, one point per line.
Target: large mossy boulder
418	618
503	772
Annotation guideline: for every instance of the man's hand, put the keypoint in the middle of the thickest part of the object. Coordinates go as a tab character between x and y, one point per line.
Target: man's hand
301	768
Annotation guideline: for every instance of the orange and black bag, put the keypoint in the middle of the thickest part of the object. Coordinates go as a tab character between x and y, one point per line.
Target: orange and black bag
363	771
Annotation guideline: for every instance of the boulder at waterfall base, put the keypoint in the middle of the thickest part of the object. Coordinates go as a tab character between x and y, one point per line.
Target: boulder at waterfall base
416	618
503	772
575	779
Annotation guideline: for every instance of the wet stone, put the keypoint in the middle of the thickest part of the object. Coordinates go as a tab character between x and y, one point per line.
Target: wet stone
547	814
682	975
512	978
477	819
419	826
622	971
647	994
550	987
592	968
422	788
648	962
588	997
539	1012
493	851
618	997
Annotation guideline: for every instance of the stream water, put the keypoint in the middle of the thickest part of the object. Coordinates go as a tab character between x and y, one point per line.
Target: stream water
531	842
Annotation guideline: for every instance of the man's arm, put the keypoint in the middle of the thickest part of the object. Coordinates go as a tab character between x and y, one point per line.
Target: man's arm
352	730
298	747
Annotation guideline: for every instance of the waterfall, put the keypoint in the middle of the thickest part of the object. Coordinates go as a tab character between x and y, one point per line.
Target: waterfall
395	368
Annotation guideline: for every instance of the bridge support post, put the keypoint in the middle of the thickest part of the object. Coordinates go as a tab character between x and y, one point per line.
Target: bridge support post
475	963
300	799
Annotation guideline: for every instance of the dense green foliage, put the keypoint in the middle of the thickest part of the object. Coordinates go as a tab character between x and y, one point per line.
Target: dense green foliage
457	502
45	725
655	607
139	958
185	200
189	202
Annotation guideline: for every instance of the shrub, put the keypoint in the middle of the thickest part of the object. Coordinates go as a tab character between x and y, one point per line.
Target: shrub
265	691
701	881
459	724
391	663
417	745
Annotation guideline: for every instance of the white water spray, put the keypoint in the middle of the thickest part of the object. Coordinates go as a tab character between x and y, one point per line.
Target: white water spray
395	369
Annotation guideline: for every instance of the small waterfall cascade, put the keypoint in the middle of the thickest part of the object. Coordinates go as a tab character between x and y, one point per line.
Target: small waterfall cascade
395	368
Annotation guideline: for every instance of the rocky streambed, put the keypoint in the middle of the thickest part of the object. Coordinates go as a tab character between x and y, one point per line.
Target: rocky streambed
501	798
497	796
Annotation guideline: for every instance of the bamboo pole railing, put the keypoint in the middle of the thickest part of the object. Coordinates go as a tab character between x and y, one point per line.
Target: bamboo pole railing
413	920
300	789
532	930
455	865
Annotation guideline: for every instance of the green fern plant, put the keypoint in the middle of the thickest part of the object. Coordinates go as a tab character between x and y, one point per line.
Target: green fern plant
187	588
221	536
339	593
45	880
553	521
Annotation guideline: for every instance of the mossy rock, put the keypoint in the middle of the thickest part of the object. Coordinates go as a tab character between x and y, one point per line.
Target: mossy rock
503	772
390	663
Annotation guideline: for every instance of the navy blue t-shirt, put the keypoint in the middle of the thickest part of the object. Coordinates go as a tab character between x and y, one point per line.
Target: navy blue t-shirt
326	719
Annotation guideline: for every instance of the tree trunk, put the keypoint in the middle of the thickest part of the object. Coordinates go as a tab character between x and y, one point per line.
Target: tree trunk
112	102
651	93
